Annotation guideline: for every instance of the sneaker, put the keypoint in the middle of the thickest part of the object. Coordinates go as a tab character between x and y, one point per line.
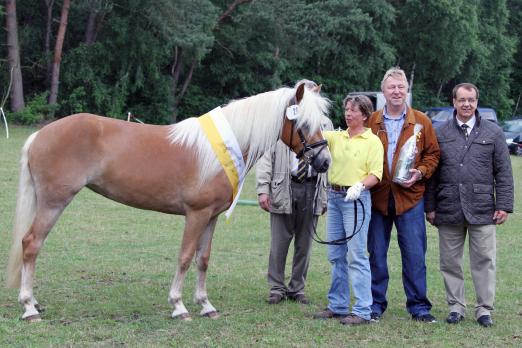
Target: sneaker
454	318
352	319
299	298
327	314
275	298
425	318
375	316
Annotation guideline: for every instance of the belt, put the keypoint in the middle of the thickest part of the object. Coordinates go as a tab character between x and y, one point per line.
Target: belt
339	188
307	179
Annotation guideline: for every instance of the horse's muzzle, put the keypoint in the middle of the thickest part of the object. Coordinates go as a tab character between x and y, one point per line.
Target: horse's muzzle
323	166
322	160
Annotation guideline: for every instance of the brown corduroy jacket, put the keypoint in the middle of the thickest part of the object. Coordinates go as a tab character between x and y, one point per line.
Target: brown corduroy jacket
426	161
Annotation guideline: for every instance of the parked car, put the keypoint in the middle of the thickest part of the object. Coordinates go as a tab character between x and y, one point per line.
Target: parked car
513	133
440	115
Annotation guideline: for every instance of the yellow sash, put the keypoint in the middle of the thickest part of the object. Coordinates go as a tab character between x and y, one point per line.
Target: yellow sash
221	151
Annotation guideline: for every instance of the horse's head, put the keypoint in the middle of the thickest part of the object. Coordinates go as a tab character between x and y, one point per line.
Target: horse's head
302	126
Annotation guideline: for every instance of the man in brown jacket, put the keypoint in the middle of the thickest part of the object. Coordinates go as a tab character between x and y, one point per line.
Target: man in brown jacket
401	203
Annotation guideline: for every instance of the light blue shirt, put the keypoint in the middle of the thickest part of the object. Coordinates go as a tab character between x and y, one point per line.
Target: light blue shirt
393	131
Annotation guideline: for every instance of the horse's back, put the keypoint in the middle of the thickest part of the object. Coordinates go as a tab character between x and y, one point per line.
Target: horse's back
132	163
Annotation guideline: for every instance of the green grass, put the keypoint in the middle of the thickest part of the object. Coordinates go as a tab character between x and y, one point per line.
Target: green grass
104	273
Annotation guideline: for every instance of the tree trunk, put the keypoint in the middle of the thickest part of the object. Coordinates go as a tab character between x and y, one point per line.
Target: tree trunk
178	63
55	78
230	9
91	26
48	29
17	90
98	9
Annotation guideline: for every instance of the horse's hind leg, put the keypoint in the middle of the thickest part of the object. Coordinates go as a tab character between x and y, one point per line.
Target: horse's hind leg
31	245
202	258
195	224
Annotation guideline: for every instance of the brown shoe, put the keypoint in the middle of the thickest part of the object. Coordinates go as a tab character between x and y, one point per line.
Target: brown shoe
299	298
328	314
352	319
275	298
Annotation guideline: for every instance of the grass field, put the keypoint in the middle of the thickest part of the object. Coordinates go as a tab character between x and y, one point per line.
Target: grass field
105	270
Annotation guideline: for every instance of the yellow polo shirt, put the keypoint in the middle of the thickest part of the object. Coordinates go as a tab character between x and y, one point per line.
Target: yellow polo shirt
355	158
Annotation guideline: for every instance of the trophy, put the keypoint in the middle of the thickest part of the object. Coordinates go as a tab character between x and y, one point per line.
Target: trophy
406	159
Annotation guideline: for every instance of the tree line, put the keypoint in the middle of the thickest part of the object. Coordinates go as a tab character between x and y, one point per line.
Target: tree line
166	60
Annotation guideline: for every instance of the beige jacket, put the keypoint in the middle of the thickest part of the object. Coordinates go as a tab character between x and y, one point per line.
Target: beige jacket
273	178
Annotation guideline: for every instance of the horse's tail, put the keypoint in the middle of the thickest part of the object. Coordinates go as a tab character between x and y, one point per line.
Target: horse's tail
24	216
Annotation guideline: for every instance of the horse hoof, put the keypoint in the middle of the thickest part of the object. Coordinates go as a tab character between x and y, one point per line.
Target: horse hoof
33	318
39	308
212	315
184	317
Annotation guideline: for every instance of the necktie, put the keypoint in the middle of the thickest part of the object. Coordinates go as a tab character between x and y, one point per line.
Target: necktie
465	130
302	170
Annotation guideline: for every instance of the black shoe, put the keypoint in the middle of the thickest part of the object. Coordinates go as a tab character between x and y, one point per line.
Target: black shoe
375	316
454	318
425	318
485	321
299	298
275	298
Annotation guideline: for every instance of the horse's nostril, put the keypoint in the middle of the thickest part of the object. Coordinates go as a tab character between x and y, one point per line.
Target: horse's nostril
324	166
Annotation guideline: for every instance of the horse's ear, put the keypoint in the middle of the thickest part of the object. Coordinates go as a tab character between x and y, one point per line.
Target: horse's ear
317	89
299	93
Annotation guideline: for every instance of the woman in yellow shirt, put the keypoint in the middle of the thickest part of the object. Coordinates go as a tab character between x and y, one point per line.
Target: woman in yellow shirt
357	160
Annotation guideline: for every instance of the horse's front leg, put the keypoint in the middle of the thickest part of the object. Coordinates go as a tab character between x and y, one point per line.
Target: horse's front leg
195	225
202	258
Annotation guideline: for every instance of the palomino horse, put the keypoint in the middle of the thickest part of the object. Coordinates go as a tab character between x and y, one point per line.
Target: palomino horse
173	169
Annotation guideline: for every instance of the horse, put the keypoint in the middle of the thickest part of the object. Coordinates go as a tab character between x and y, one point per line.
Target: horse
171	169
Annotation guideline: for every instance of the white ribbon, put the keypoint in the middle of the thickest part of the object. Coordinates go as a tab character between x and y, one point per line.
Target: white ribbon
233	149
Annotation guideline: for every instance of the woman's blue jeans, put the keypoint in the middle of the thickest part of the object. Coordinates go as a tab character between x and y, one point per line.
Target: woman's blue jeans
350	262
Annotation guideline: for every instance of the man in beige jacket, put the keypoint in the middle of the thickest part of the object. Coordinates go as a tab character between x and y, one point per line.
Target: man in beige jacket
293	215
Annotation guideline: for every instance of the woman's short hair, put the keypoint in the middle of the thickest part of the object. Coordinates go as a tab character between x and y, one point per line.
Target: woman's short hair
363	102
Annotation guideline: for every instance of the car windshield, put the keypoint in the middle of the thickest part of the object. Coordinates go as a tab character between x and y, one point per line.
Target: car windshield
513	126
442	115
487	114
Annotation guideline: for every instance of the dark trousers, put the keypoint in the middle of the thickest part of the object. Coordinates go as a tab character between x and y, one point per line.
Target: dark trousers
411	236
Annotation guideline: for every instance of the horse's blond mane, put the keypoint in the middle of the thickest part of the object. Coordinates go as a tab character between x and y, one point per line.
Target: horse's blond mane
256	121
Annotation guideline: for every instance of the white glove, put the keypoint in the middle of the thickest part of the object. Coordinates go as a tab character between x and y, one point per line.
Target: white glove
354	192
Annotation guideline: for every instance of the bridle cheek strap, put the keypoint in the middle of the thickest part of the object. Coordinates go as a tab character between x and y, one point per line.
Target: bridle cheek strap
308	147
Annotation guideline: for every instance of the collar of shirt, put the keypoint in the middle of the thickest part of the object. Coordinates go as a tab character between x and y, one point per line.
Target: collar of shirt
471	122
365	134
388	117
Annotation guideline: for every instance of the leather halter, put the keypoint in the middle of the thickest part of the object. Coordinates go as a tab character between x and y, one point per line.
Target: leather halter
307	150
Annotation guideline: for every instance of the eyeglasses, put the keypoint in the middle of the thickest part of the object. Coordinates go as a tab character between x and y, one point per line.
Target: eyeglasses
464	100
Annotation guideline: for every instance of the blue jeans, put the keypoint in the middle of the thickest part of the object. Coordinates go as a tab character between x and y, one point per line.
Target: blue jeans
411	236
350	263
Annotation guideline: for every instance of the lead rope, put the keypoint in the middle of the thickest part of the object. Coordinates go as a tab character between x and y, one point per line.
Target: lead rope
339	241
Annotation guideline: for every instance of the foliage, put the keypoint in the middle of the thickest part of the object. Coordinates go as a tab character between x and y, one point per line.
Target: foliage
34	112
489	63
164	58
